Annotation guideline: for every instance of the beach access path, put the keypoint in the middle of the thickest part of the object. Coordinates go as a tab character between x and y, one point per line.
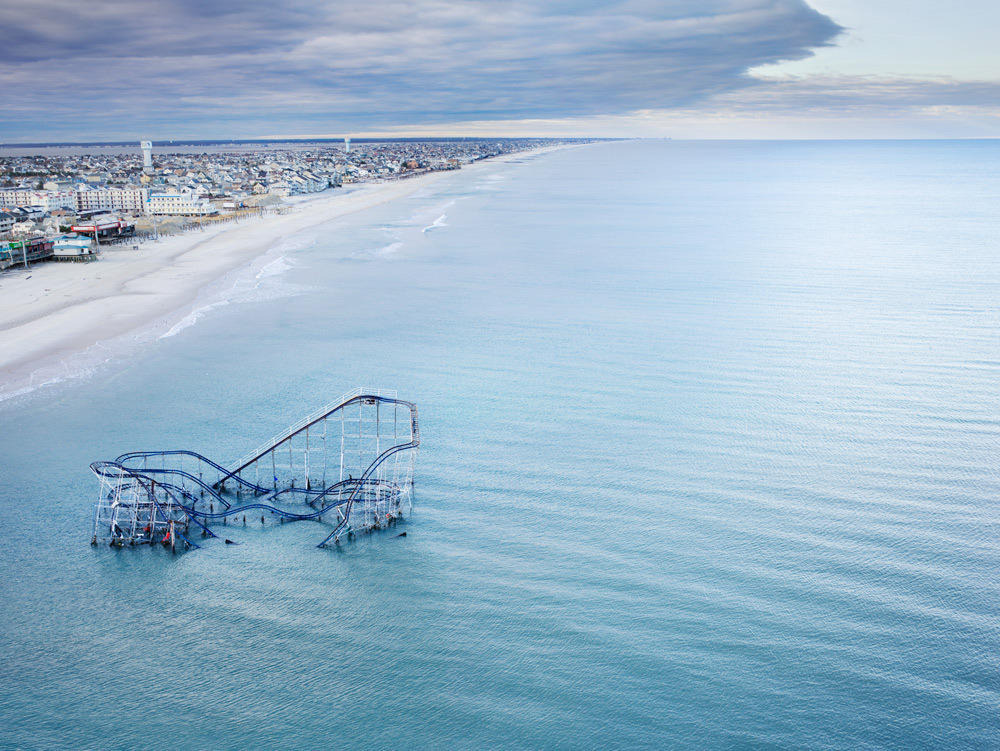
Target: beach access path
52	310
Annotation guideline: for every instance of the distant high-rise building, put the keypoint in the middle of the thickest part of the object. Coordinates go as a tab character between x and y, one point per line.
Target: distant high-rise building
147	157
347	145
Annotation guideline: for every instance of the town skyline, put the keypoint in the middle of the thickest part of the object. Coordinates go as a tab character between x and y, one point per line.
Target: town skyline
84	188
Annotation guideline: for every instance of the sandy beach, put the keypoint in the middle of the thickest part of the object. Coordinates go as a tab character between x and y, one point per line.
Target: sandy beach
53	310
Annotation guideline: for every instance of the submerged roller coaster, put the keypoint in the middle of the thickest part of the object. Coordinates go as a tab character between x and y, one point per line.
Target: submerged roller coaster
350	464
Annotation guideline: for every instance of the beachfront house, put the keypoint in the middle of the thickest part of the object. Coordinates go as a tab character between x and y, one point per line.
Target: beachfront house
74	247
179	204
23	228
280	188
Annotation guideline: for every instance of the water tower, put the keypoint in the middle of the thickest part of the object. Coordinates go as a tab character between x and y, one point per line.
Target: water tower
147	156
347	145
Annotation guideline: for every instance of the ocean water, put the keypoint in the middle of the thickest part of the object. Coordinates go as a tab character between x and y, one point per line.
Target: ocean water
710	439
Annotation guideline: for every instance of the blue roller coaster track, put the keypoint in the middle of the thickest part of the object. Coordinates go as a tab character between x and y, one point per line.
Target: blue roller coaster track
369	436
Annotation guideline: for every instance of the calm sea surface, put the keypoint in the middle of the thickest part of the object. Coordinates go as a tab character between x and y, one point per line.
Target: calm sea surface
710	461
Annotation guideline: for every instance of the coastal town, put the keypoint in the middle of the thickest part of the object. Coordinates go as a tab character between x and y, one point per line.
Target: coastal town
69	206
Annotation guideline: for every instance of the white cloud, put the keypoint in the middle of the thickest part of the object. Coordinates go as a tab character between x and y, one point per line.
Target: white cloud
187	67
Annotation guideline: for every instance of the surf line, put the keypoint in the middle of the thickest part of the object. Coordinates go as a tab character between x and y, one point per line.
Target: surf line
439	222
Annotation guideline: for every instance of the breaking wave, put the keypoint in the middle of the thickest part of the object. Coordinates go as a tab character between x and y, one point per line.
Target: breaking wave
439	222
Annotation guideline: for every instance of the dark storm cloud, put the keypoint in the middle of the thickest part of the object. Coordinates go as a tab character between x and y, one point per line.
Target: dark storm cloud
384	62
32	30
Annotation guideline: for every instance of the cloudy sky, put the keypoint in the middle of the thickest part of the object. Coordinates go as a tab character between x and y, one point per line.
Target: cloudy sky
125	69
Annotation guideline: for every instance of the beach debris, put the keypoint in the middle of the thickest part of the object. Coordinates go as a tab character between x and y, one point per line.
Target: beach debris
351	461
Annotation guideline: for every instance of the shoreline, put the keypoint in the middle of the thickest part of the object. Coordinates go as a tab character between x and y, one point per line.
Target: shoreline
52	312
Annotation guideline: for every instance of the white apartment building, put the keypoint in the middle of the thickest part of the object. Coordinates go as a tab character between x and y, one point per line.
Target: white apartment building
179	204
6	223
19	197
131	200
92	199
21	229
47	199
83	198
306	182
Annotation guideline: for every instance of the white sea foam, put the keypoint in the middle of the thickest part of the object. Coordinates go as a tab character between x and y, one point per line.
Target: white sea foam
71	368
259	281
291	244
384	250
24	391
274	268
388	250
439	222
489	182
192	318
423	213
259	285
